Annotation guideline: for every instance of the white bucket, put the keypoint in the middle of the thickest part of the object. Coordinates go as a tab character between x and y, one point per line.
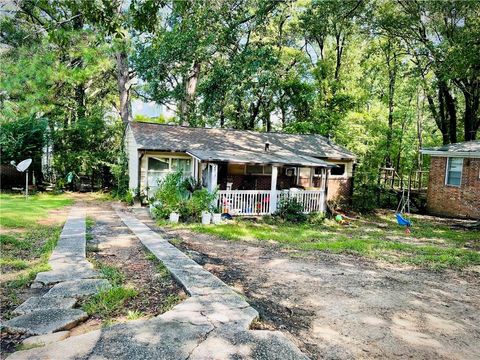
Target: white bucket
206	218
174	217
216	218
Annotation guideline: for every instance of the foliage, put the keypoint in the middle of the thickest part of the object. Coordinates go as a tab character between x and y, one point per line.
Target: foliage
290	210
169	195
177	193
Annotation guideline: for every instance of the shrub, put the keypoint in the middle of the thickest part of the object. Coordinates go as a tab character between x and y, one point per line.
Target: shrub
183	195
291	210
200	200
169	195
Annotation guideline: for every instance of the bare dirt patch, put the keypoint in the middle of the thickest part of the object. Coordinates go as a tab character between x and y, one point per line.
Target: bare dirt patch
343	307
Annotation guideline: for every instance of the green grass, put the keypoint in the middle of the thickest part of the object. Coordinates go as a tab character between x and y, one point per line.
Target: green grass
109	302
18	212
430	245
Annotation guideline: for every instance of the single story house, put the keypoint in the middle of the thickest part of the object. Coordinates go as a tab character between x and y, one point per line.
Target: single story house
251	170
454	180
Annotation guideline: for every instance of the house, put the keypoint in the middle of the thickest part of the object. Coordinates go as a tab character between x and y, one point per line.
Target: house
252	170
454	180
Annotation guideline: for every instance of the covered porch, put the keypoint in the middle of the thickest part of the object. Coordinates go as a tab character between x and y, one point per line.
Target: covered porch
254	184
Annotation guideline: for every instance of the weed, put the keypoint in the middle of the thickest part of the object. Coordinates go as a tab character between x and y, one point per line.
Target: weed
90	223
170	301
109	302
134	314
109	272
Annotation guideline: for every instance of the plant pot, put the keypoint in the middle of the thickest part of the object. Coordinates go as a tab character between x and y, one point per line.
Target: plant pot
206	218
174	217
216	218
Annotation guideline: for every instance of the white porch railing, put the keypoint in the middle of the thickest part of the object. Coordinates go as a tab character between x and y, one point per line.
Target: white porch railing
257	202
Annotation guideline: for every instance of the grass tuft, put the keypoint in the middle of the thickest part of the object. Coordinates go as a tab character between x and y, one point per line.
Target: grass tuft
109	302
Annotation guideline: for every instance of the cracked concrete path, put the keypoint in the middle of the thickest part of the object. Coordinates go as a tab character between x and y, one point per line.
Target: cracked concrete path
54	310
212	324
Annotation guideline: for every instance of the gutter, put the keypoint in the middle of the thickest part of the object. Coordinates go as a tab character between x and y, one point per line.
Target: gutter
465	154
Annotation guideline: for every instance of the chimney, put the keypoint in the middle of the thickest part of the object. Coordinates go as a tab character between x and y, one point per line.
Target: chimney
267	146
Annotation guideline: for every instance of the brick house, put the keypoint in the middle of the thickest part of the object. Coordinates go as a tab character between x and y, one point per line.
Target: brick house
454	180
251	170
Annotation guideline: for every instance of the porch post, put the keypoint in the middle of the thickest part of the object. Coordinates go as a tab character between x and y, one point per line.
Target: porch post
213	177
273	190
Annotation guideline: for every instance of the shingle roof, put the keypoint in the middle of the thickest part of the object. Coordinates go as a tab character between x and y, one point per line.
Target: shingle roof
467	147
261	157
162	137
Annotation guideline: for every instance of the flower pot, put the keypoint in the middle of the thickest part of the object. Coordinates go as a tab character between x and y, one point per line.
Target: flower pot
216	218
174	217
206	218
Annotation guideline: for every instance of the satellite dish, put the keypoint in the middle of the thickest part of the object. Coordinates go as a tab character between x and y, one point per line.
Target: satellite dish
24	165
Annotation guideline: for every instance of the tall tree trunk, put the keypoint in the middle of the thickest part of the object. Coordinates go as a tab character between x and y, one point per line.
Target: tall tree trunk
186	107
391	58
123	81
471	115
419	130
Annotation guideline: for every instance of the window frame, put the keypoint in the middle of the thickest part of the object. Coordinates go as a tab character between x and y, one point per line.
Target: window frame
447	171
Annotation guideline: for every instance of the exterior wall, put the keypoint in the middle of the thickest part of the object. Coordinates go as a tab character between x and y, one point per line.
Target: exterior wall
339	189
132	153
463	201
340	186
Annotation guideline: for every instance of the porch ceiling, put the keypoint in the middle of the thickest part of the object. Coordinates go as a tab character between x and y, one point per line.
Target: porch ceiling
260	157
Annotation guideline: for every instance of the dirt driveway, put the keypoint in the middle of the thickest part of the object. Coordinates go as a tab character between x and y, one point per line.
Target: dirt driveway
343	307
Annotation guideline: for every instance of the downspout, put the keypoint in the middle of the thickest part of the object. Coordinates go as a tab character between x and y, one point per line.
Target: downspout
140	173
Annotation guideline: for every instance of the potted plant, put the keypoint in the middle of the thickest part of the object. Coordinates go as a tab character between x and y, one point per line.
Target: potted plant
174	217
206	217
216	215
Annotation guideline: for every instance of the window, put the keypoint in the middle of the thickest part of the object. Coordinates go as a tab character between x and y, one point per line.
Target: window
159	167
338	170
184	165
258	170
454	171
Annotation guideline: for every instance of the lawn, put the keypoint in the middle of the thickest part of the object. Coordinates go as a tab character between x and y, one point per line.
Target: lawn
25	242
431	244
18	212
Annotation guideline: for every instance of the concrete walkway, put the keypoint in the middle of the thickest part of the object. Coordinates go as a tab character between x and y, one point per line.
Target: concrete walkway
212	324
71	273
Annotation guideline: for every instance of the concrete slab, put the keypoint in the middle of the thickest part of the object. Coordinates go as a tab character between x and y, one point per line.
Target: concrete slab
42	340
45	321
42	303
71	273
78	288
258	345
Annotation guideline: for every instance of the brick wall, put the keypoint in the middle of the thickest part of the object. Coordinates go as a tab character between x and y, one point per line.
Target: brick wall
463	201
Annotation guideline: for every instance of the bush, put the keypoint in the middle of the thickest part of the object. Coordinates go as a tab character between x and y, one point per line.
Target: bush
183	195
169	195
291	210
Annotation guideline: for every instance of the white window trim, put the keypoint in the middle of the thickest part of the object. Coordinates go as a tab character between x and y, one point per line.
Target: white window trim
446	172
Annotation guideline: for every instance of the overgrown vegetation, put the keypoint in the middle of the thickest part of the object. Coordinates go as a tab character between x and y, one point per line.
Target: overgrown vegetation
184	195
432	245
290	210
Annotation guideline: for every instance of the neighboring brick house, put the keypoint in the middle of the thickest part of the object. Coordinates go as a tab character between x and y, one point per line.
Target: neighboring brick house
240	161
454	180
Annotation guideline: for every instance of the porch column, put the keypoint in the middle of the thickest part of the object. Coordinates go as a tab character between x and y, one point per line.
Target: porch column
213	177
273	190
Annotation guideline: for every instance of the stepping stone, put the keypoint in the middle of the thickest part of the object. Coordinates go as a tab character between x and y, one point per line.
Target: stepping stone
78	288
42	340
43	303
46	321
56	276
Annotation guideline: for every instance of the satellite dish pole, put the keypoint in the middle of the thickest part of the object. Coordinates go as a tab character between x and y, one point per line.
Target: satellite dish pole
22	167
